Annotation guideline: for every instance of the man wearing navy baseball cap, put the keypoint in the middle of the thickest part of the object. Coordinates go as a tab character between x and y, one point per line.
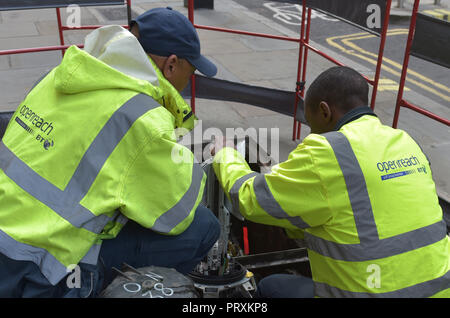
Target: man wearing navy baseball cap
172	42
126	191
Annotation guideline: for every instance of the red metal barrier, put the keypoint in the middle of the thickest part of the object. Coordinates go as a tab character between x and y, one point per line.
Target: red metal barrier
38	49
400	101
191	18
61	28
304	46
270	36
305	43
299	88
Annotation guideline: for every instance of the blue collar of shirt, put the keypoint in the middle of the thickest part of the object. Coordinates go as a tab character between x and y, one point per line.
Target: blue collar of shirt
353	115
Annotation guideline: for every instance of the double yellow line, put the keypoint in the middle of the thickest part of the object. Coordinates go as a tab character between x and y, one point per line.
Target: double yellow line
442	14
346	45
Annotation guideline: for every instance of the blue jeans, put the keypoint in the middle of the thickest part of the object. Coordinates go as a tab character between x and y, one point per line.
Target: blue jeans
135	245
285	286
140	247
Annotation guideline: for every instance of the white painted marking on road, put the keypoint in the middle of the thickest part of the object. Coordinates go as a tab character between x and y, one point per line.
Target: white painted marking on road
292	13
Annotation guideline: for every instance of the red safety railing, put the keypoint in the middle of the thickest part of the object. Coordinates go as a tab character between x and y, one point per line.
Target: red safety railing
400	101
304	47
374	82
61	28
204	27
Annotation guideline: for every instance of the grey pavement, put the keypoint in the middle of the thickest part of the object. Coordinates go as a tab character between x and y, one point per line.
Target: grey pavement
256	61
404	7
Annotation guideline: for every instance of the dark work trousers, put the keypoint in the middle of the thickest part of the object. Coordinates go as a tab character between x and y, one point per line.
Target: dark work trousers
285	286
140	247
134	245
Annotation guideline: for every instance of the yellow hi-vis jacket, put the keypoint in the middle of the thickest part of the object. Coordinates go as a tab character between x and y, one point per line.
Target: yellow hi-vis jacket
364	200
92	145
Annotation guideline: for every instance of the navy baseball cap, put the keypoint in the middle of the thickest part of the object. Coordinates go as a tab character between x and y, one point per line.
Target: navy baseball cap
163	31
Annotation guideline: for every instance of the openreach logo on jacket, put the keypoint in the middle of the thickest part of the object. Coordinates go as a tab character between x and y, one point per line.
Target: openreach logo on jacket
28	115
397	167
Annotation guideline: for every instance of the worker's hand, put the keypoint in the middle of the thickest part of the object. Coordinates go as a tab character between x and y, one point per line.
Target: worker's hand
220	143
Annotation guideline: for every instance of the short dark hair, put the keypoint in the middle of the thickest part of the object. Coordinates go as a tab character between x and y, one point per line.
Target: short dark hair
341	87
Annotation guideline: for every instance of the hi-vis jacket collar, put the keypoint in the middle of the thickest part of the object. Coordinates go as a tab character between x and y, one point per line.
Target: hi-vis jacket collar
113	58
353	115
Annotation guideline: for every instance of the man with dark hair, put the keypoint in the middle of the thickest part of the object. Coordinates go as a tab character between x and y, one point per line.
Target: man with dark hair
341	87
360	193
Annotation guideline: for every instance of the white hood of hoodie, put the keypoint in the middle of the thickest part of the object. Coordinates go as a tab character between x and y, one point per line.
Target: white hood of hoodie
118	48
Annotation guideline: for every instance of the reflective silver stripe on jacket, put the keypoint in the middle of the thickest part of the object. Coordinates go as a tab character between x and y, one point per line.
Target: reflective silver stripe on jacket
371	247
67	203
383	248
356	187
265	199
421	290
49	266
105	143
234	191
171	218
47	193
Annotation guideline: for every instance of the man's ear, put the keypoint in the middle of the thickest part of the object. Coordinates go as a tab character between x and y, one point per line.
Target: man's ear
325	112
170	66
135	30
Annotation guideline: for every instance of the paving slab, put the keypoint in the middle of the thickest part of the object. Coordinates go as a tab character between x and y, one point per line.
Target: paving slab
27	16
261	65
18	28
15	84
215	46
